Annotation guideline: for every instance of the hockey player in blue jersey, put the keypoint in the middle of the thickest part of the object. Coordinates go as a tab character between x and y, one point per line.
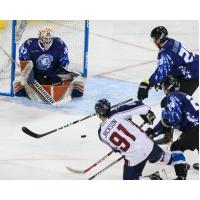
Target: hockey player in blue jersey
180	112
46	60
124	136
175	60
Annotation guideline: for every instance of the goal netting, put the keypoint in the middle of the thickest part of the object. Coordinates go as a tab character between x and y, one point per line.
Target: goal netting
73	32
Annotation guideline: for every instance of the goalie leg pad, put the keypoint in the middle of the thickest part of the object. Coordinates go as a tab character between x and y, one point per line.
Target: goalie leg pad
57	91
78	90
19	90
27	72
40	94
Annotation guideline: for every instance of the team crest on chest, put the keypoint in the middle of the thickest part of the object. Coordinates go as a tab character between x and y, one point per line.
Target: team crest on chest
44	61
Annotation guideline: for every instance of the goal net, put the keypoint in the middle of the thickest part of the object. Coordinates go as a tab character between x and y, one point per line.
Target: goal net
13	33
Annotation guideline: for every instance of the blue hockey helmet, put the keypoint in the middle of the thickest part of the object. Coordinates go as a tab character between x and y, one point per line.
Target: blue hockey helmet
102	107
160	32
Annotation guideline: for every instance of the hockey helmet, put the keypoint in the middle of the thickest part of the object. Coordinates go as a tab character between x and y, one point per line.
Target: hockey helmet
46	37
159	32
102	107
170	84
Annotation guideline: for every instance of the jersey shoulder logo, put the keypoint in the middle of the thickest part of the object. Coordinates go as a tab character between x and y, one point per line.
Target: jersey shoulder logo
23	50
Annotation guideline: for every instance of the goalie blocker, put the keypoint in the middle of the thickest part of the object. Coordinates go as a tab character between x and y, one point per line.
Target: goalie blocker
72	85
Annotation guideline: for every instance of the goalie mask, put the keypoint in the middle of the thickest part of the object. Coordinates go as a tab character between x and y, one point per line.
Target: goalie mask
102	108
170	84
46	37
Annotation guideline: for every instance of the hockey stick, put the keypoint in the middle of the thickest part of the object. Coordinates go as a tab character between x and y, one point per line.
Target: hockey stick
113	163
107	167
156	174
89	168
95	164
36	135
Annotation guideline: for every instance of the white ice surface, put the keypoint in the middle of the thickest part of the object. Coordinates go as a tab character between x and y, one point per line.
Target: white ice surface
120	56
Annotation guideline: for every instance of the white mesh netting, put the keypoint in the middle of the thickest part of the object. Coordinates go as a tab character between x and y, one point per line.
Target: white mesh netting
71	32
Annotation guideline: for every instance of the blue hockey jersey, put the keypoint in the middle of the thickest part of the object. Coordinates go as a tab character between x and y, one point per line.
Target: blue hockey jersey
181	111
173	59
46	62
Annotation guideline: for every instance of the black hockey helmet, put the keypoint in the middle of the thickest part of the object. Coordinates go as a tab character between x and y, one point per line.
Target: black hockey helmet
171	84
159	32
102	107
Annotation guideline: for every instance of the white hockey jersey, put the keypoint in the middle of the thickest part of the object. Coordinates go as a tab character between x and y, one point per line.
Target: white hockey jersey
121	134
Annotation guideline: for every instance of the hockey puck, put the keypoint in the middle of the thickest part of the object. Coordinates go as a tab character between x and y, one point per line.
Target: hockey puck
83	136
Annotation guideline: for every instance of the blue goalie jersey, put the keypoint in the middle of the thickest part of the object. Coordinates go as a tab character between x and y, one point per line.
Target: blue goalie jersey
181	111
173	59
46	62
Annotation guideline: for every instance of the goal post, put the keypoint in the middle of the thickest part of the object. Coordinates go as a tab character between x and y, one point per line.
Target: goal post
75	33
7	67
85	64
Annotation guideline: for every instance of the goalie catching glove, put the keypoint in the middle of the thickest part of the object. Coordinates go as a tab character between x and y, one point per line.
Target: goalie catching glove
67	75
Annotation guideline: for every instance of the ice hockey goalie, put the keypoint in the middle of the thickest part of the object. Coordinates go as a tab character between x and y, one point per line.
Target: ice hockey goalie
44	73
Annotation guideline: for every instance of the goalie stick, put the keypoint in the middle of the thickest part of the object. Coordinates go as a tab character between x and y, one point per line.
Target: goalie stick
95	164
36	135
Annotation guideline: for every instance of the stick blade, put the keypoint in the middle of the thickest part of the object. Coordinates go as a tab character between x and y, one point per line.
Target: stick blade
29	132
75	170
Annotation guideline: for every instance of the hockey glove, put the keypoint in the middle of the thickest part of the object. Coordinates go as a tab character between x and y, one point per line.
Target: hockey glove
168	134
150	133
149	117
143	90
168	137
158	87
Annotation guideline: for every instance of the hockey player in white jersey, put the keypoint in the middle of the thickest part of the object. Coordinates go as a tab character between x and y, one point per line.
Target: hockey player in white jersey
125	137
